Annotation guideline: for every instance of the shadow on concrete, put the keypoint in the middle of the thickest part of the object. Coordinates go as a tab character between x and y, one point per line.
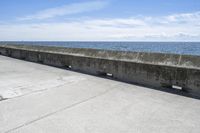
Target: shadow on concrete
163	89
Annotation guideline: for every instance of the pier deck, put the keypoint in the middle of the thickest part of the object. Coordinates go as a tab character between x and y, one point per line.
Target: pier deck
39	98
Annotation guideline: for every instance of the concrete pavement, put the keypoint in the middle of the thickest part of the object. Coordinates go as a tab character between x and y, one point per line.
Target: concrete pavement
39	98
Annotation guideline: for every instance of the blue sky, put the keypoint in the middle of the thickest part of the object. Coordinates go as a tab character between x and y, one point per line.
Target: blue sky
100	20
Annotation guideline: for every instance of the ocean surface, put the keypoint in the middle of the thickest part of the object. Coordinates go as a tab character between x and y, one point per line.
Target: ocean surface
187	48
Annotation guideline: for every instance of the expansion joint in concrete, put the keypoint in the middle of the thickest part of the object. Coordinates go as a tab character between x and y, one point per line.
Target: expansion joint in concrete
58	111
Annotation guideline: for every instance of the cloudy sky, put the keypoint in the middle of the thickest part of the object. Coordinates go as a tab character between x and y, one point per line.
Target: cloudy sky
100	20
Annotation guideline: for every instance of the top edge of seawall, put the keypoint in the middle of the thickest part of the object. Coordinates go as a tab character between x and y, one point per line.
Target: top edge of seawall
167	59
61	49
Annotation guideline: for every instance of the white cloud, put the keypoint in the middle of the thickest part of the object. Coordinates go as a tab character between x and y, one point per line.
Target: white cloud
66	10
178	27
186	17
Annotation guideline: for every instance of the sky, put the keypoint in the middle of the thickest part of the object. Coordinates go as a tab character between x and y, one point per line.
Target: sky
99	20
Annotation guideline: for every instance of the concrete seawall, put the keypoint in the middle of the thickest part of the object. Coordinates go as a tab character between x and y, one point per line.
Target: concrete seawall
149	69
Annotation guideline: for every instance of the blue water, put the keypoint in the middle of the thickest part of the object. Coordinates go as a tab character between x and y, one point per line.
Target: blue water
188	48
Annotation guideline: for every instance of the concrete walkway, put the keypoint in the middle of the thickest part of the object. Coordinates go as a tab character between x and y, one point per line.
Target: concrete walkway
36	98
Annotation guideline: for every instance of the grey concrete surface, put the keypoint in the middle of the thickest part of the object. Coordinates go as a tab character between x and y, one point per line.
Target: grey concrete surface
41	99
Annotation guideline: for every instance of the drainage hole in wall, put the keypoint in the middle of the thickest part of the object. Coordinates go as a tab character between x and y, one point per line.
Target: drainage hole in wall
109	75
68	67
177	87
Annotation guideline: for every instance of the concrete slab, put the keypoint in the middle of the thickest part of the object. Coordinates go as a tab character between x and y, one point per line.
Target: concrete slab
39	98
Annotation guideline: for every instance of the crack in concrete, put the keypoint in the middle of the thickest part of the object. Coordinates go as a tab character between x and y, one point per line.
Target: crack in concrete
32	92
60	110
2	98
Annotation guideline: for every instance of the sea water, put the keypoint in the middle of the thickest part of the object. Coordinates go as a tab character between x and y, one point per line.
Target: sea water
188	48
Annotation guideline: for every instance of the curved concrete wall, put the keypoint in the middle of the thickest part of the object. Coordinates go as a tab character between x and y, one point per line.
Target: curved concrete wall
150	69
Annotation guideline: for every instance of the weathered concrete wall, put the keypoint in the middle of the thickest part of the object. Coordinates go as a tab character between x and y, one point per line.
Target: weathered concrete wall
150	69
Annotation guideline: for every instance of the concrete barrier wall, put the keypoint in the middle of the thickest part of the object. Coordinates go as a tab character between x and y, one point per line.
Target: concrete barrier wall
149	69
